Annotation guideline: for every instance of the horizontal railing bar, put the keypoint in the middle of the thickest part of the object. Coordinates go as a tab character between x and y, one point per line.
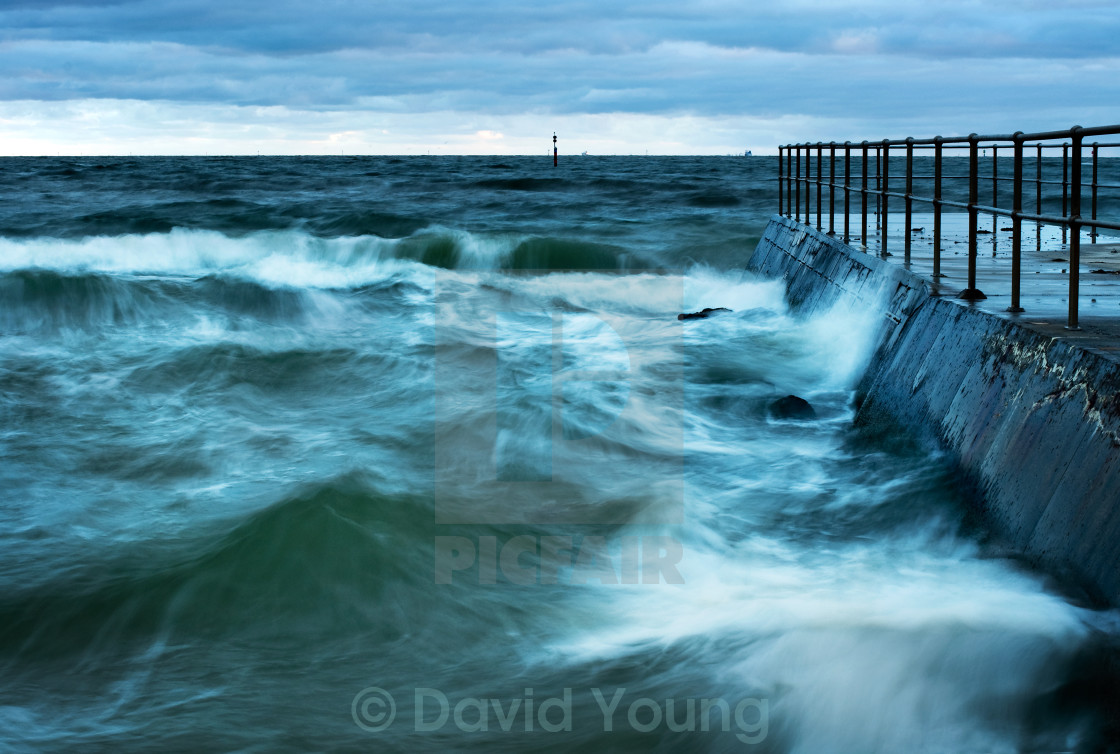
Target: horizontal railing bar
963	142
1000	211
963	148
948	203
988	177
813	179
1083	222
929	144
919	197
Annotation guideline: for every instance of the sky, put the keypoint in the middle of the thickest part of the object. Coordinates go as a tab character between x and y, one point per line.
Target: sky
499	77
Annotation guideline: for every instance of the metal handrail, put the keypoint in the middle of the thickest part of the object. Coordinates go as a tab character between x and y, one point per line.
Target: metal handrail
1071	142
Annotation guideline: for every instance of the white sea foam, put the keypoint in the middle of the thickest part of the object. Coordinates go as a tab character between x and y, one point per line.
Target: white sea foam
889	637
273	258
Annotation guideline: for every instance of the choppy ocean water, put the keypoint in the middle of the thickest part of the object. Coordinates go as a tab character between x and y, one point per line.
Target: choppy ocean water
413	454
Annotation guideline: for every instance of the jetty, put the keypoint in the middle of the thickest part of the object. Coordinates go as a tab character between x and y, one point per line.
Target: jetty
995	262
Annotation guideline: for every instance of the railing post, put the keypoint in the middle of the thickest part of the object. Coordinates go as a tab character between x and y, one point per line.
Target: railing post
1038	200
847	186
789	182
972	293
1065	187
885	232
1017	223
797	187
1075	230
909	194
808	182
878	188
820	151
937	146
995	193
832	188
863	193
781	187
1093	233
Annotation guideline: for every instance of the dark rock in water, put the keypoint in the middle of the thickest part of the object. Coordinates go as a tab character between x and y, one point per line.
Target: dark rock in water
792	407
704	314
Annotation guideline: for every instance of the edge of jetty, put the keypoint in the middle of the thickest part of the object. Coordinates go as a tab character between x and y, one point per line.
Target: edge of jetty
1031	419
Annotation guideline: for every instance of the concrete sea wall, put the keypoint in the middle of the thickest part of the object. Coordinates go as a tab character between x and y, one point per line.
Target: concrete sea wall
1033	421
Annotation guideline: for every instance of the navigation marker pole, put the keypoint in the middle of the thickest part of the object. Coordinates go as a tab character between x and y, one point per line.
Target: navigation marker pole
554	150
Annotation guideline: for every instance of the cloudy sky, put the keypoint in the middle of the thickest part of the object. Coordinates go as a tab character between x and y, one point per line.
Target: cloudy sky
498	77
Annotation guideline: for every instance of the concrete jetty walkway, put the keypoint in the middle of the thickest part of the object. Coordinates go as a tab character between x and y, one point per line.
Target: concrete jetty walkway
1045	268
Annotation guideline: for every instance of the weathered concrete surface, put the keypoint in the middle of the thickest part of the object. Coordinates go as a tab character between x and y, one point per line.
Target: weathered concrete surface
1032	419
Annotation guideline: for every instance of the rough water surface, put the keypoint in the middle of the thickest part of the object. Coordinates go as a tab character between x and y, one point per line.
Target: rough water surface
414	454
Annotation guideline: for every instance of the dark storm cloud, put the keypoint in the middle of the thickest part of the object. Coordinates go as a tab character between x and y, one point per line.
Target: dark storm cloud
285	27
825	59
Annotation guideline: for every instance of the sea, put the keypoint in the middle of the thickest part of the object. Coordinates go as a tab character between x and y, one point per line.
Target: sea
415	454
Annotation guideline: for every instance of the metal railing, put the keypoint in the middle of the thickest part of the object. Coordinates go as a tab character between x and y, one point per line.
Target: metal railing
880	189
